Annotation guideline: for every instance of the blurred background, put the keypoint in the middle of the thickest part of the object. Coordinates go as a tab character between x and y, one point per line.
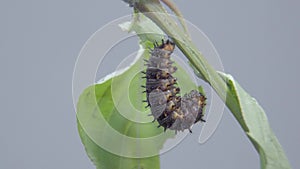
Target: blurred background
258	43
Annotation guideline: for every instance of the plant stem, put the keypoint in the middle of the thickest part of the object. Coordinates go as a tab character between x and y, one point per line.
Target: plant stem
158	15
177	12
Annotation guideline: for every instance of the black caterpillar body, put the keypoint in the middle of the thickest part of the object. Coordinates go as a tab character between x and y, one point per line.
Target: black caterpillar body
170	110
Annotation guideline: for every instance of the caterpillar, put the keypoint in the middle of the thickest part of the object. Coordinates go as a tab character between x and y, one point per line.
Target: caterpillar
162	94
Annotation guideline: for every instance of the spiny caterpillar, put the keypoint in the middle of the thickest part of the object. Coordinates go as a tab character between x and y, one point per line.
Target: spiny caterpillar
170	110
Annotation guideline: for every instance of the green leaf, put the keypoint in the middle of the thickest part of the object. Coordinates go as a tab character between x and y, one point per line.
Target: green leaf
109	137
254	121
113	124
114	140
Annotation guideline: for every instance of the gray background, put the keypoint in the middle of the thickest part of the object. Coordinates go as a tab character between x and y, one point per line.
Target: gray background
258	42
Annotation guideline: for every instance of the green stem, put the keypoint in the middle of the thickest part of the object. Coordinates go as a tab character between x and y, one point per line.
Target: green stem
177	12
158	15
